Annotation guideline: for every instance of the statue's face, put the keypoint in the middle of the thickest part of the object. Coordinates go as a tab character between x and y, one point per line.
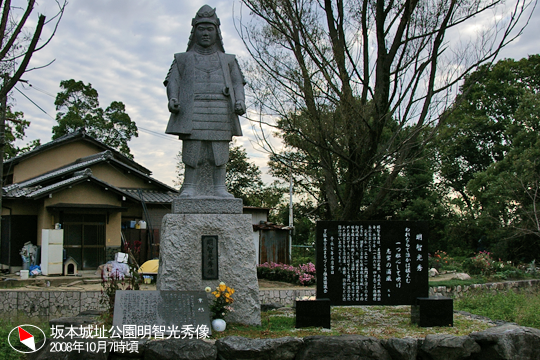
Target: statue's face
205	35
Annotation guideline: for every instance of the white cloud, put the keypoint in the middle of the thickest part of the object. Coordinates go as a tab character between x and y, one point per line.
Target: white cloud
124	49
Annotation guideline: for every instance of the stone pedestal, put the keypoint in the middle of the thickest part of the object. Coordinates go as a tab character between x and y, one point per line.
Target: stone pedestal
180	260
313	313
429	312
207	205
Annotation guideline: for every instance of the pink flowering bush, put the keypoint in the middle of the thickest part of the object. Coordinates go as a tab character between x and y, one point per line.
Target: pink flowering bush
303	274
308	268
484	264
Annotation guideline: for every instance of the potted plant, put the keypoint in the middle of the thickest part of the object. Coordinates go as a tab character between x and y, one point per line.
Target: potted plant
221	305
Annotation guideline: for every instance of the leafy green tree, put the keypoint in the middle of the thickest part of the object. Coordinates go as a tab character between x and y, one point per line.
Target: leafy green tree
415	195
15	130
243	178
244	181
78	106
488	155
478	130
508	191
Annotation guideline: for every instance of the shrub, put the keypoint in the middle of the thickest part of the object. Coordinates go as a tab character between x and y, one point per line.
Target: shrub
440	260
480	264
510	274
303	274
483	264
299	260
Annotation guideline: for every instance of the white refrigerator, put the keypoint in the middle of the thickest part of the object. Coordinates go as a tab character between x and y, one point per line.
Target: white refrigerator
52	251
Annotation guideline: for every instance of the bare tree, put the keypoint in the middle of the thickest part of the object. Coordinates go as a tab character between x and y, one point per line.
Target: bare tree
18	43
357	86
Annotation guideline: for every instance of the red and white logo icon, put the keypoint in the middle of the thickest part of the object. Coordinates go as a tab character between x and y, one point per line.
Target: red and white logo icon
25	337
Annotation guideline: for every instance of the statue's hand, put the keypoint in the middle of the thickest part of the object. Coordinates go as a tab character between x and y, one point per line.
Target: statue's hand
240	108
174	106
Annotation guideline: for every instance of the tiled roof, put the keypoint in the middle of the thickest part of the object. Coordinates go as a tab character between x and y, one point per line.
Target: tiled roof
79	133
63	171
22	190
84	163
67	137
79	170
15	192
153	196
57	186
36	192
267	225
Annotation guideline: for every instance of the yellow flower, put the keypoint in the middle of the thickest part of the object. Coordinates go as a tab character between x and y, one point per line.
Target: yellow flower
222	288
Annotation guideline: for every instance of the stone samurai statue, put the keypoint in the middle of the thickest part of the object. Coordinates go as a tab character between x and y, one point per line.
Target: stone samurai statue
205	88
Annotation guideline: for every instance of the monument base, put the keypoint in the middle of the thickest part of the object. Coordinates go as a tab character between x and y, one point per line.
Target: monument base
207	205
181	253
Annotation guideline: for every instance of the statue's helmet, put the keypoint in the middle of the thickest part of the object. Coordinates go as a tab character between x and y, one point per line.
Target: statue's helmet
206	15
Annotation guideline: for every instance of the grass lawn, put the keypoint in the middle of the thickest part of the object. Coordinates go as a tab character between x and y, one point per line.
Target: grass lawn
522	307
379	321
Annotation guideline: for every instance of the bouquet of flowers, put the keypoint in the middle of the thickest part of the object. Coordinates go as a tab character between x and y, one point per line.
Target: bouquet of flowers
222	303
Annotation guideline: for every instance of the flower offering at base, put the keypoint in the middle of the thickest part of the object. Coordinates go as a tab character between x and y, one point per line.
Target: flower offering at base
221	305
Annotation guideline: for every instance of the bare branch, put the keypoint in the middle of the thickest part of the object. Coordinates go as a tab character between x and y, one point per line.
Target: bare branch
18	30
357	86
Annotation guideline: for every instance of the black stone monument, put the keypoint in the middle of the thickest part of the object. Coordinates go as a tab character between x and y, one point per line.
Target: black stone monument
313	313
372	262
429	312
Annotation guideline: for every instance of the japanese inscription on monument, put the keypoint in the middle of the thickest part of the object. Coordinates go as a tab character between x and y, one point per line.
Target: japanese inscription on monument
210	268
162	310
372	262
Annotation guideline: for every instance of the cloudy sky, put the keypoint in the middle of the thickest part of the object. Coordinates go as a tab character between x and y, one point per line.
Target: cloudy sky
124	48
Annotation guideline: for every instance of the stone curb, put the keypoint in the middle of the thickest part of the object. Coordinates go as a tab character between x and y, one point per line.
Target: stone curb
459	290
497	343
